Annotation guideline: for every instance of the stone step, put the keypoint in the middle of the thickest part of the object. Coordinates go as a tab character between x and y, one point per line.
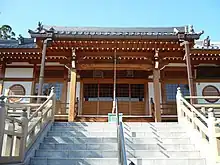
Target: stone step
105	124
113	146
110	129
114	161
113	134
129	123
82	140
113	154
80	134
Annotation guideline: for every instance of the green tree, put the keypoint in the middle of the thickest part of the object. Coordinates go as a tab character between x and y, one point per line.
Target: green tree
6	32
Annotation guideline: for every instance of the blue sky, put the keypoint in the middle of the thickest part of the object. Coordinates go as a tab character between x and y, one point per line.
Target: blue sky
24	14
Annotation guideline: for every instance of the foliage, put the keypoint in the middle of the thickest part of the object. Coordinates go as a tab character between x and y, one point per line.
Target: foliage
6	32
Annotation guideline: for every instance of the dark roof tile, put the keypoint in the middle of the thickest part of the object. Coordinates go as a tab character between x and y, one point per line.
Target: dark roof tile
114	32
213	45
24	43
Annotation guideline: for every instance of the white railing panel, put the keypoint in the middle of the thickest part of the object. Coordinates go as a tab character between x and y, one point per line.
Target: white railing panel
17	134
196	116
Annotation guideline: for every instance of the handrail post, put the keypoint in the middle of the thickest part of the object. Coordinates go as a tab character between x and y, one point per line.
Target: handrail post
53	94
2	122
152	107
179	104
24	135
213	140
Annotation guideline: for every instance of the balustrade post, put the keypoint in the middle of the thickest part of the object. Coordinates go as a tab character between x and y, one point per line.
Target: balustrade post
2	122
179	104
152	107
213	140
52	92
203	110
23	142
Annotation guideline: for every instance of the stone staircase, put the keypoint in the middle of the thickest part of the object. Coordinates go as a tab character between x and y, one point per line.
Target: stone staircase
96	144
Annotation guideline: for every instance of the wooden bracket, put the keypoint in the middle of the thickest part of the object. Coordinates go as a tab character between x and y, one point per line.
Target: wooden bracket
186	45
73	64
156	59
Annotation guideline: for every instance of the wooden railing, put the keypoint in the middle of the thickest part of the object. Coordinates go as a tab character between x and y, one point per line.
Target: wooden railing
202	118
62	111
167	109
18	133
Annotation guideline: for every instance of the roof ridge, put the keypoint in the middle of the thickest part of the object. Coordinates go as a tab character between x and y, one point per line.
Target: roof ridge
115	26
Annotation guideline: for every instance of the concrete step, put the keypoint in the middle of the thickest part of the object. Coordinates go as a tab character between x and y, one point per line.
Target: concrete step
113	146
114	134
87	140
98	128
82	134
135	124
114	161
113	154
110	129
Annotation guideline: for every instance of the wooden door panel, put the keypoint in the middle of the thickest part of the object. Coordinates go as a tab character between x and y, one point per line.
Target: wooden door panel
89	108
137	108
105	107
123	107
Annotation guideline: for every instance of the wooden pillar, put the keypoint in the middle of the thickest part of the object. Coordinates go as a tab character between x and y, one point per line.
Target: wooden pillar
72	89
156	85
41	76
189	69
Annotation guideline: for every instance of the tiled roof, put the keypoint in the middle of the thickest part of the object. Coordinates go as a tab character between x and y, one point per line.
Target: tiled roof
213	45
20	43
112	32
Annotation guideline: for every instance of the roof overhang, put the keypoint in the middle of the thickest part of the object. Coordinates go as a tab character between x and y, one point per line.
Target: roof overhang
130	37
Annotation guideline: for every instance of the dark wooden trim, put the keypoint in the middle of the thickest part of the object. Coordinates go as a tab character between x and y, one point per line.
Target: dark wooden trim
19	79
207	80
119	81
19	66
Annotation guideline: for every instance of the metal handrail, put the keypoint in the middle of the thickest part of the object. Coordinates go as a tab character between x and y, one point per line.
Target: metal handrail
122	157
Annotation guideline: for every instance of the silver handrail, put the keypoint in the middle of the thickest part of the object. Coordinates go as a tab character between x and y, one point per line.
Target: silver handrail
122	157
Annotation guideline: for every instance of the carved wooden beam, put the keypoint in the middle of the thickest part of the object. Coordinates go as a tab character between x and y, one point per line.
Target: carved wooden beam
110	66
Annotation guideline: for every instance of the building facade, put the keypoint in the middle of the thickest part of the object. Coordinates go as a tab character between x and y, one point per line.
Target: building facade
79	63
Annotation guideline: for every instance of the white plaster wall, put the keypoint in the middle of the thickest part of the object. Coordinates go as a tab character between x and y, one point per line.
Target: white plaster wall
19	72
26	85
151	92
200	86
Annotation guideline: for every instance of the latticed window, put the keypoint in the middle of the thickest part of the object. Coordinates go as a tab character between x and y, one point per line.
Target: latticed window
171	90
58	87
106	90
103	92
122	90
90	91
137	91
